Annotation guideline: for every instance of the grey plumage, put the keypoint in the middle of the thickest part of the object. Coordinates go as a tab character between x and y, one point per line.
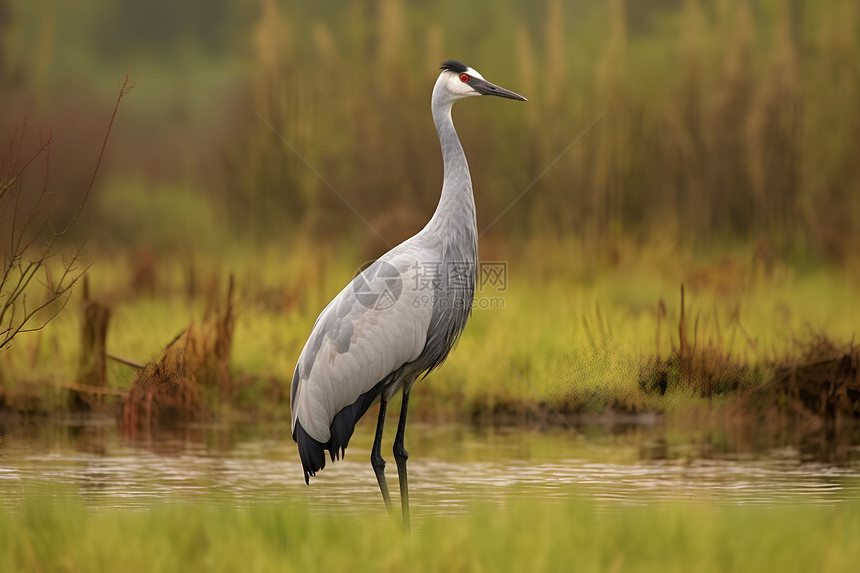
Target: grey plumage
400	317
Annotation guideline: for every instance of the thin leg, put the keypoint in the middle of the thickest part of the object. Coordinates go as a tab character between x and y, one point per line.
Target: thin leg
376	456
400	456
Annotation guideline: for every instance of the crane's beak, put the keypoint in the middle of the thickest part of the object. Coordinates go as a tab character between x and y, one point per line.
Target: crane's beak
484	87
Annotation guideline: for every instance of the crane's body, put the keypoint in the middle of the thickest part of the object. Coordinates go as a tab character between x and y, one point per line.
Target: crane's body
400	317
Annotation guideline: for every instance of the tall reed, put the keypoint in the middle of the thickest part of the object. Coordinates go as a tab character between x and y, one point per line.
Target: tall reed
726	121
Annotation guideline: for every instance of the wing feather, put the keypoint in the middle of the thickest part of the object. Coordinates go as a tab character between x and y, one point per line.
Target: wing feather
384	333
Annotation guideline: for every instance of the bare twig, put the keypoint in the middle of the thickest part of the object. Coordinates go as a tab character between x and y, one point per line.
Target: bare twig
124	89
92	389
125	361
25	259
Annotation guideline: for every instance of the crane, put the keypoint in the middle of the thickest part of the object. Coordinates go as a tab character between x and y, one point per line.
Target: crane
399	317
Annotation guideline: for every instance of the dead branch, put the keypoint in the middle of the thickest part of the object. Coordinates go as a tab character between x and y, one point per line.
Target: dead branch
88	389
126	361
27	258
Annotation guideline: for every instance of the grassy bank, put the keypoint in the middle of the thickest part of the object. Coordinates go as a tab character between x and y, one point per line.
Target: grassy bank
575	534
577	331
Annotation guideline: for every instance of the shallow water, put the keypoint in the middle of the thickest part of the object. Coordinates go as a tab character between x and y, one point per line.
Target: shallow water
449	468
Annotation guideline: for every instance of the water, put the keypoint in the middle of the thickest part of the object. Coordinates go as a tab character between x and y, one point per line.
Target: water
449	468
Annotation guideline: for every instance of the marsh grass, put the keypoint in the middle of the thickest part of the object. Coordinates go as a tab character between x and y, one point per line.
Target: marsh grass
192	374
729	120
717	122
515	535
573	333
706	365
729	126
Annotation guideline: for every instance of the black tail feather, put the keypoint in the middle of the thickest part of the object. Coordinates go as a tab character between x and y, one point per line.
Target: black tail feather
312	452
344	422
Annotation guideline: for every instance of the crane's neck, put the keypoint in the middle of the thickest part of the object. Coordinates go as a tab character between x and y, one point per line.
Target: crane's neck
456	207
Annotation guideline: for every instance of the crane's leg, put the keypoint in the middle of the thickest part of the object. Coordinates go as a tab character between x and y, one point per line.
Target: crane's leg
376	456
400	456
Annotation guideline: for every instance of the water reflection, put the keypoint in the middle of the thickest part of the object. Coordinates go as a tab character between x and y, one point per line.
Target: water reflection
450	467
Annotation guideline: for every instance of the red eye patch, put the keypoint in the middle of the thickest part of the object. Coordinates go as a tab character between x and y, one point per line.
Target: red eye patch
464	78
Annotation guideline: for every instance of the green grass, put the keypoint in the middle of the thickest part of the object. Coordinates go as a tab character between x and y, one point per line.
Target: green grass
517	535
717	128
574	335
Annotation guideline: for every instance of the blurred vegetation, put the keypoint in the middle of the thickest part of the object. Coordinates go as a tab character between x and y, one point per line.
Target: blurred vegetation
724	159
723	119
517	535
583	339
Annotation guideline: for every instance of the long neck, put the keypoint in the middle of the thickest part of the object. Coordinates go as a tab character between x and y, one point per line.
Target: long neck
457	204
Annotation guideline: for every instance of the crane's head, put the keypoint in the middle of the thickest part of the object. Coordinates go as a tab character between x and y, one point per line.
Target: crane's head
459	81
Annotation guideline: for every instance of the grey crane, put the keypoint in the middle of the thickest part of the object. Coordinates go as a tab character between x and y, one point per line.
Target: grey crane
397	319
